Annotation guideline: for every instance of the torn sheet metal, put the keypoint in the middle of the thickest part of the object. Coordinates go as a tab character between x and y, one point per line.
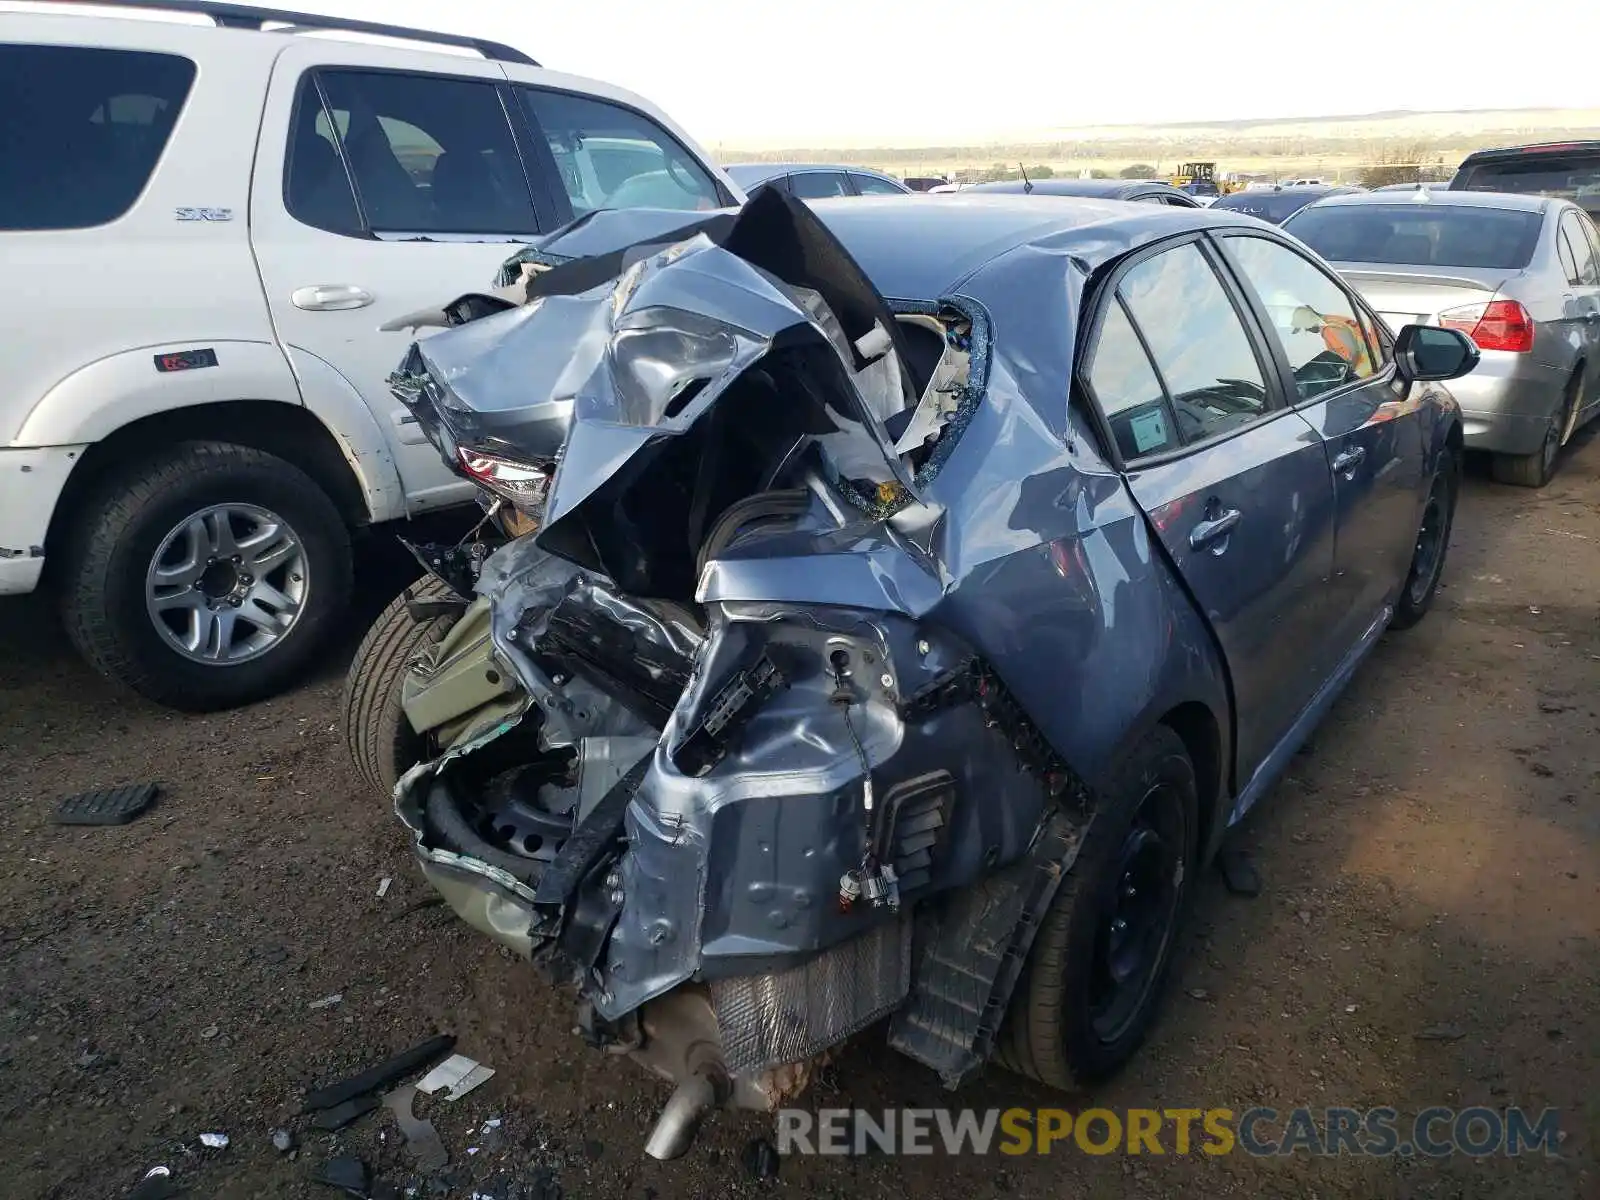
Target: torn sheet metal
458	1073
422	1139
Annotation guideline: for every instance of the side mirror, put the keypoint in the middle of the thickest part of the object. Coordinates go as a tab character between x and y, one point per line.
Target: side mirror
1426	352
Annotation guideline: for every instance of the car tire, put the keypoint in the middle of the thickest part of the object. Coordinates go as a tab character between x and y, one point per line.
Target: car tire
380	740
1537	469
134	592
1433	546
1055	1031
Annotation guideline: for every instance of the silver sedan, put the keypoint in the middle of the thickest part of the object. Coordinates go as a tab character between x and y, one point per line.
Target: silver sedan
1519	274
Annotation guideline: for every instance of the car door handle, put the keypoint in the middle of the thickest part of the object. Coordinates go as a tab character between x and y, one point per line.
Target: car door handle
1349	460
1213	528
331	297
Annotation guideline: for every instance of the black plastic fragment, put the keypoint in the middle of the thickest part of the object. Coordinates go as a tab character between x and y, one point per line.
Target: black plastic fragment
347	1173
155	1187
341	1115
110	806
1239	872
761	1159
590	839
729	712
381	1075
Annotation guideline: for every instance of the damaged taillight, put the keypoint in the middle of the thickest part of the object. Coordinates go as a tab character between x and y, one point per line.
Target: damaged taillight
523	485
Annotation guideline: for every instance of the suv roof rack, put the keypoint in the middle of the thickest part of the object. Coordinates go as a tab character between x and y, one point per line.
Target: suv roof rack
242	16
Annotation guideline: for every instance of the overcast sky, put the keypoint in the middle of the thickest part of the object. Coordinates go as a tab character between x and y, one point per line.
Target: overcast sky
807	73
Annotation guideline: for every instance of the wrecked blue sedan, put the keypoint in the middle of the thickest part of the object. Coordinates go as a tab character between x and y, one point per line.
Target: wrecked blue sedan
904	598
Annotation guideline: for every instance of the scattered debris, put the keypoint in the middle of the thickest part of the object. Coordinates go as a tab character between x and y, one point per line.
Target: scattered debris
1448	1032
490	1136
210	1031
108	806
283	1140
1199	994
217	1141
1350	1008
157	1184
347	1173
383	886
761	1159
458	1073
1239	872
379	1076
326	1001
417	906
341	1115
421	1136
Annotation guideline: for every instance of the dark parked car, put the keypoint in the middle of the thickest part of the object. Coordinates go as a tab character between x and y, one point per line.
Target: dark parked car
1570	170
924	183
1277	204
1150	191
892	659
816	181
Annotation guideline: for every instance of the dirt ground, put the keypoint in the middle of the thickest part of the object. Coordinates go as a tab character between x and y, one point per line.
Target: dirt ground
1432	860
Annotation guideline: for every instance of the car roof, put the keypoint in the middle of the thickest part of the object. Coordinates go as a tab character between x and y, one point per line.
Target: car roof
757	171
1108	188
919	247
1441	199
1495	153
1304	189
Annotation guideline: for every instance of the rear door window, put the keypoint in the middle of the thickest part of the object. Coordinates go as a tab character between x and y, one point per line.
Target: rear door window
608	156
1213	379
81	131
818	185
1586	272
428	154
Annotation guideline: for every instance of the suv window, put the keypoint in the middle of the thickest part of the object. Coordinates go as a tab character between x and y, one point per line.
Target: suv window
612	157
818	185
1313	316
871	185
1586	272
81	130
1197	340
428	154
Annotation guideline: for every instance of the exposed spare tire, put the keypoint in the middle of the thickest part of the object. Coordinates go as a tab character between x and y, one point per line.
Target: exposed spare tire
381	742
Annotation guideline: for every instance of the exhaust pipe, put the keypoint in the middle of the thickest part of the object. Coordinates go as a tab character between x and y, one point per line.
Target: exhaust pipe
680	1120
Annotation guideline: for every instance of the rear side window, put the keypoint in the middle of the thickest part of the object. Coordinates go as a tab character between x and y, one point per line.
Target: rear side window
871	185
428	154
81	131
1420	234
818	185
612	157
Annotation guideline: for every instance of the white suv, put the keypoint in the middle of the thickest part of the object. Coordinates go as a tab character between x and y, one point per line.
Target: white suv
206	218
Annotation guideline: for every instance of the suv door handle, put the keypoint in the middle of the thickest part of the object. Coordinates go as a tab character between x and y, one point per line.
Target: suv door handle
331	297
1213	528
1349	460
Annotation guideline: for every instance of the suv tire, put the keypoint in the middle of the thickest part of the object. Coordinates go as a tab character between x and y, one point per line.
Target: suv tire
1050	1033
207	576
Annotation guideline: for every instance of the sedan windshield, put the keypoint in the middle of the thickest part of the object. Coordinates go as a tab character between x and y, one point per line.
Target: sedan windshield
1433	235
